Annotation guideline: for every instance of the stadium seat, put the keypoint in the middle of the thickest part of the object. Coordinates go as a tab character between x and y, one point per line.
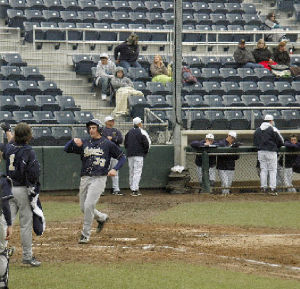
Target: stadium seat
249	8
83	117
11	73
137	105
70	34
34	15
52	34
61	135
229	74
23	116
196	88
219	19
228	62
103	35
9	87
217	8
156	88
233	8
292	118
284	87
47	102
87	5
210	74
6	116
213	100
16	18
28	31
35	4
42	136
12	59
121	17
82	64
157	101
192	61
140	85
139	17
121	6
251	19
194	100
205	37
122	35
212	87
52	16
264	74
138	74
138	6
70	5
104	5
266	87
4	5
197	73
32	73
211	62
67	103
49	88
86	16
190	37
7	103
26	102
246	74
249	87
237	120
44	117
54	5
154	6
236	37
231	87
64	117
167	6
270	100
80	132
256	115
217	119
288	100
281	123
70	16
17	5
157	18
29	87
168	17
232	100
87	35
199	121
188	19
104	17
251	100
255	36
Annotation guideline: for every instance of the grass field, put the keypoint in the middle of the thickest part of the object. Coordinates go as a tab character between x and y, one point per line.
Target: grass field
153	242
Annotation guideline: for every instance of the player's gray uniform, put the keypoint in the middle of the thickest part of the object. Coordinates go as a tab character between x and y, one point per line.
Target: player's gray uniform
20	204
285	178
115	179
3	246
267	139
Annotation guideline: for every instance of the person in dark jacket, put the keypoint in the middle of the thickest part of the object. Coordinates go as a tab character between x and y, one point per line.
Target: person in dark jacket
114	135
126	54
137	144
244	57
263	55
285	166
268	139
207	142
280	54
226	163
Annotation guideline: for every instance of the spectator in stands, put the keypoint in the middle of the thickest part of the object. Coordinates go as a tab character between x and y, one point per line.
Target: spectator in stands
159	70
209	141
126	54
285	168
281	55
105	71
244	57
262	54
268	139
123	87
273	24
226	163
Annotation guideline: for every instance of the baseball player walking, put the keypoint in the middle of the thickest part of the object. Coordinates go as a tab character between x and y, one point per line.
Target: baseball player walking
207	142
137	144
24	170
114	135
226	163
268	139
96	153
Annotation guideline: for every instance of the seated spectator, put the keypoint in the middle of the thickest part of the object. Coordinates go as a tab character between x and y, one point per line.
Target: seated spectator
126	54
244	57
273	24
159	70
280	54
209	141
105	71
123	87
262	54
285	168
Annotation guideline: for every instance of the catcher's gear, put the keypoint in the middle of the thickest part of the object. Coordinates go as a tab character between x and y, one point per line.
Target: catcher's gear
97	122
5	126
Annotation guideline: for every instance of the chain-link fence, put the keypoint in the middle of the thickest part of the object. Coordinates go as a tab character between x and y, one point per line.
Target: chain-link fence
246	175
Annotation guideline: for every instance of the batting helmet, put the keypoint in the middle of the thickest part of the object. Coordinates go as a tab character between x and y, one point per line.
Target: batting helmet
97	122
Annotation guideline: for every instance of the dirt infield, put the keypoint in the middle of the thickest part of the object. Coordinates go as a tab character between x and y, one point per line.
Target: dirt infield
131	236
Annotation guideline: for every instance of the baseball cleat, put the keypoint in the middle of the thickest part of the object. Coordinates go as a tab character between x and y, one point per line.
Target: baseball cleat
83	240
273	192
135	193
32	262
117	193
101	225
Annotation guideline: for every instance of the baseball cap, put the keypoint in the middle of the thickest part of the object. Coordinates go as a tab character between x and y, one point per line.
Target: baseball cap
242	41
137	120
233	134
210	136
108	118
104	55
269	117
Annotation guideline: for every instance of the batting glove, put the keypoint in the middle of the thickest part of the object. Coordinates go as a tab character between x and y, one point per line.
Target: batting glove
5	126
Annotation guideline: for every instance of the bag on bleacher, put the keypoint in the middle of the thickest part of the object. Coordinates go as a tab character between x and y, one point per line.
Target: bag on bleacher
187	76
280	70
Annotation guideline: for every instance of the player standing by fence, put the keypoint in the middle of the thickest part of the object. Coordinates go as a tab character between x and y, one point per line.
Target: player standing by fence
96	153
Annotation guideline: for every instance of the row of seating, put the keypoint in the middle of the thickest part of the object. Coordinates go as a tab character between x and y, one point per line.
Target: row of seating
129	6
37	103
226	100
20	73
46	117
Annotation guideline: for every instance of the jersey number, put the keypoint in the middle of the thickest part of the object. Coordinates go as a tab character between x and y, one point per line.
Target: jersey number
11	162
99	162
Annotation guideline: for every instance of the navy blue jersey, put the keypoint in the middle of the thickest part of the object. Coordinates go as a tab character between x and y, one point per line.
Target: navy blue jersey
21	164
6	195
226	162
95	155
116	135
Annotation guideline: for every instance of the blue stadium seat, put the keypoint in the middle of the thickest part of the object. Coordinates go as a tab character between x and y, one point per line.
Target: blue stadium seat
35	4
237	120
167	6
292	118
23	116
17	4
288	100
194	101
11	73
231	87
156	18
121	6
29	87
233	8
26	102
83	116
249	8
190	37
82	64
61	135
154	6
104	5
229	74
251	19
249	87
284	87
49	88
70	34
227	62
7	103
156	88
9	87
70	16
138	74
42	136
104	17
88	5
247	74
264	74
44	117
196	88
187	7
52	34
32	73
140	85
87	16
232	100
34	15
217	119
203	19
139	18
138	6
157	101
80	132
218	8
236	37
137	105
212	87
47	102
199	120
16	18
28	31
211	74
12	59
67	103
296	86
6	116
105	35
188	19
267	87
121	17
251	100
219	19
64	117
196	72
192	61
270	100
211	61
52	16
70	5
201	7
213	100
54	5
88	35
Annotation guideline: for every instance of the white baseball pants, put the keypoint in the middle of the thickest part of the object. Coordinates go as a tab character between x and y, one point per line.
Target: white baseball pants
285	175
20	203
90	191
135	165
268	168
211	172
226	177
115	179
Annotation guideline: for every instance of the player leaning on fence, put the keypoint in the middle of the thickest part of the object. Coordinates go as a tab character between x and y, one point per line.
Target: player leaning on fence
268	139
96	153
